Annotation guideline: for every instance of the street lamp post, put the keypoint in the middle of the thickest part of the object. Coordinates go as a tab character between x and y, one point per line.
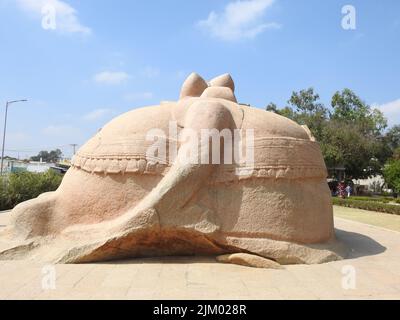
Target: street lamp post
4	133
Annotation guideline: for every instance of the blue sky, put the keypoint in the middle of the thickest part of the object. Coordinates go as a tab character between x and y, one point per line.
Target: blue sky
107	57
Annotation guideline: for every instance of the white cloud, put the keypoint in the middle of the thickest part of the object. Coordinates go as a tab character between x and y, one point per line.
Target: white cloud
66	17
239	20
138	96
97	114
61	131
151	72
391	110
111	78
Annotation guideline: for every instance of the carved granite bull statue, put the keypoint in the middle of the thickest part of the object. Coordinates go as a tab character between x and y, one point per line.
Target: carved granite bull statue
117	200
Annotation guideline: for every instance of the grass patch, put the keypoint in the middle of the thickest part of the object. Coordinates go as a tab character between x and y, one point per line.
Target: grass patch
379	219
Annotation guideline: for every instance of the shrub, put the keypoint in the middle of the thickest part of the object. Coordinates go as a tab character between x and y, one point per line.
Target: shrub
21	186
391	172
374	199
367	205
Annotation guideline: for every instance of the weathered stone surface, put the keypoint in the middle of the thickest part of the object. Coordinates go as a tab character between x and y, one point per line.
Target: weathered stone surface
119	201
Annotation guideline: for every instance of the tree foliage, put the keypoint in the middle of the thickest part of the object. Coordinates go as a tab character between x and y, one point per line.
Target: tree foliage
349	108
308	110
46	156
21	186
351	133
391	173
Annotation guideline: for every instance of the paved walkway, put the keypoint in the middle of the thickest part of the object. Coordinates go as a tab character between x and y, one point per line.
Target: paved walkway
371	272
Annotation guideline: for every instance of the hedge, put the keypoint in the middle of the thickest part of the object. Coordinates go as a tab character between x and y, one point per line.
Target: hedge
21	186
375	199
367	205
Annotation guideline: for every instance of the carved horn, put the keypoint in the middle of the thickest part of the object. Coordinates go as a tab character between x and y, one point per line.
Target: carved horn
224	80
193	86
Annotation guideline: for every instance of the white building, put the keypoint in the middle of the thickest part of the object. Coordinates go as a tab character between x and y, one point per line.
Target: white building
31	166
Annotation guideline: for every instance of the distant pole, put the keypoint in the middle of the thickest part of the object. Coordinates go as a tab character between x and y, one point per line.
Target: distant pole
4	139
73	145
4	132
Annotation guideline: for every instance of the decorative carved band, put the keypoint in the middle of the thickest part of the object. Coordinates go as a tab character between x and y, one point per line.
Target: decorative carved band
225	173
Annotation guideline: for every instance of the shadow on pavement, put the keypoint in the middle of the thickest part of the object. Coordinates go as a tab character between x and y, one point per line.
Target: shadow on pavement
356	244
164	260
359	245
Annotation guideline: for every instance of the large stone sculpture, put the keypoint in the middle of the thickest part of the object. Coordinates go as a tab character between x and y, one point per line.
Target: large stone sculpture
118	201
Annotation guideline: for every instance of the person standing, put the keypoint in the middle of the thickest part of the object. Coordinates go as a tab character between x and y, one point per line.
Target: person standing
348	191
341	190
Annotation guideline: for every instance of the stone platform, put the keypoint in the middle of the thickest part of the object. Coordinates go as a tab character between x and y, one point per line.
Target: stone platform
374	261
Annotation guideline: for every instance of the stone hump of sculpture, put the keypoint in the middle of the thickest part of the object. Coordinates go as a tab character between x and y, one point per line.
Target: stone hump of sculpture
202	175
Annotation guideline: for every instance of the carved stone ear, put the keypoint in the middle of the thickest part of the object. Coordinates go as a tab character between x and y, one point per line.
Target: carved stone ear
193	86
224	80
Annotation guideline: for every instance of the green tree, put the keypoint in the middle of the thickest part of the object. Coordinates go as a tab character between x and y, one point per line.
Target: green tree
309	111
392	138
307	101
396	154
344	144
21	186
363	147
348	107
272	107
45	156
306	109
350	135
391	173
390	144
